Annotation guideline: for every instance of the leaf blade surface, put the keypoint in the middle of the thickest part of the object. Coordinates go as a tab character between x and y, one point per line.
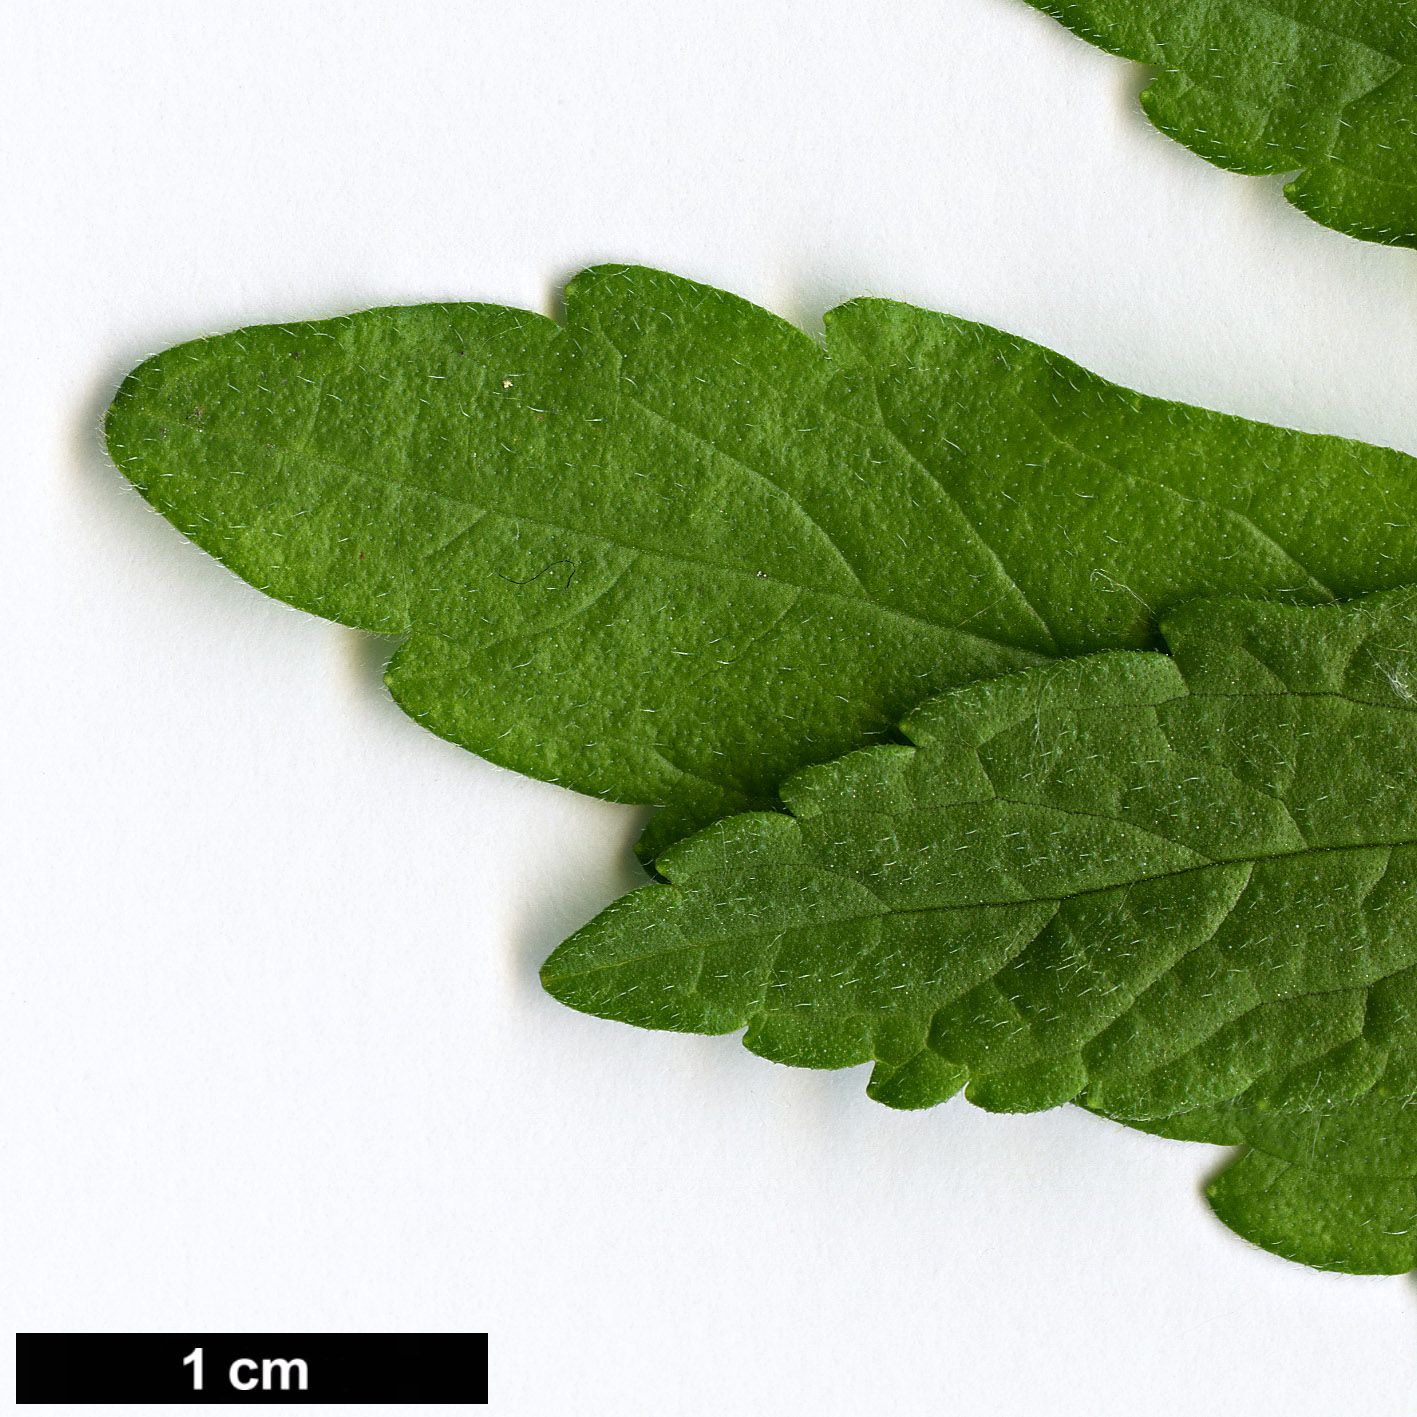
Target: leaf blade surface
672	550
1151	884
1328	92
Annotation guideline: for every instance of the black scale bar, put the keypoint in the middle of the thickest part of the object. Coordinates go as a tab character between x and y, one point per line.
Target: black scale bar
251	1367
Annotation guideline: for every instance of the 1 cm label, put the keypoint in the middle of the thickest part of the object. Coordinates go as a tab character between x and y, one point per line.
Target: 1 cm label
254	1374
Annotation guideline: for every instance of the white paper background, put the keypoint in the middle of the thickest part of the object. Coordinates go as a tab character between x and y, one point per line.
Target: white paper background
275	1056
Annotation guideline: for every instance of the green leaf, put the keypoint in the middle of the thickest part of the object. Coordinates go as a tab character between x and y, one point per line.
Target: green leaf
1325	90
1326	1181
1151	884
1356	1223
674	550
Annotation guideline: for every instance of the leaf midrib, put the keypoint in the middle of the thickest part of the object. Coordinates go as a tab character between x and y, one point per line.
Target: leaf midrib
891	913
674	558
